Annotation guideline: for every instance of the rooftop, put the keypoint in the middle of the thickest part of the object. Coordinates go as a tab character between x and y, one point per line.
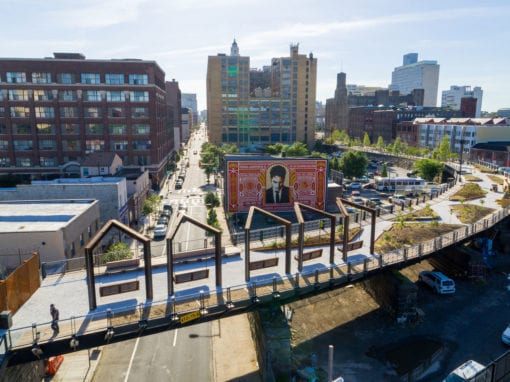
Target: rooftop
40	215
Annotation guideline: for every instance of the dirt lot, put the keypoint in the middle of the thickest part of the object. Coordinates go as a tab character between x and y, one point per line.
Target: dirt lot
372	346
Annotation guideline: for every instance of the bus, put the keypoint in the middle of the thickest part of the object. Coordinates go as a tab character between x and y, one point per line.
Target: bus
405	186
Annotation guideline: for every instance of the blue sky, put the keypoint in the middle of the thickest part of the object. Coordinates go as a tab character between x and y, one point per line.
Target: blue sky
364	38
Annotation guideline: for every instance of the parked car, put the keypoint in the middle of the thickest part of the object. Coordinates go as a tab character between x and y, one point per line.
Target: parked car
358	200
355	193
178	184
168	207
437	281
374	202
354	186
364	179
505	337
467	371
162	220
166	213
160	230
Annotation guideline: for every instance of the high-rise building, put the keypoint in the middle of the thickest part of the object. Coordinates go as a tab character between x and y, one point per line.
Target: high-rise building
253	108
54	111
452	98
189	101
414	74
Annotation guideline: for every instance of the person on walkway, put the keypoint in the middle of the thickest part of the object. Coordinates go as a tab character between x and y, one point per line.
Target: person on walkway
54	317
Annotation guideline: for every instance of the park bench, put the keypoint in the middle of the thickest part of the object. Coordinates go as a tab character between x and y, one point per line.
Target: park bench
122	265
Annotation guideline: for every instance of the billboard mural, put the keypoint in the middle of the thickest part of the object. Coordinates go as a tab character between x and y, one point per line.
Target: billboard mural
275	185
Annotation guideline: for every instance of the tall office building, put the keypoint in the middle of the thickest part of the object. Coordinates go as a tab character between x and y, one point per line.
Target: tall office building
189	101
253	108
54	111
414	74
452	98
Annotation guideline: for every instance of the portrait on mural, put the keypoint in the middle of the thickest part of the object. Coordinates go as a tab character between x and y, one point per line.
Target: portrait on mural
277	190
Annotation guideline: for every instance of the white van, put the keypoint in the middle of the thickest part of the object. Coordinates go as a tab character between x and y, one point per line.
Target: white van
437	281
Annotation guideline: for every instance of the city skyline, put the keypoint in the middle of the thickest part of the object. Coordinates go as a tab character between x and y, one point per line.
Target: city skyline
366	40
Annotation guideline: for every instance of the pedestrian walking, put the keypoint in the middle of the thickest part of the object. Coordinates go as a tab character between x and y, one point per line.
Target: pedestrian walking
54	317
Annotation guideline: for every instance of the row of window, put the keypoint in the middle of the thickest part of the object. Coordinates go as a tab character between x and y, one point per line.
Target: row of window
92	144
74	129
71	78
235	138
73	112
140	160
73	95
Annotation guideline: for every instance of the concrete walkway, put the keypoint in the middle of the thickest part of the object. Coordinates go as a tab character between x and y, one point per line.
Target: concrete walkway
69	291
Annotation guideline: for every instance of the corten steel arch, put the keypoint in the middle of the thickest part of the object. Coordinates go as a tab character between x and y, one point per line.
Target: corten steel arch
301	240
247	228
372	211
96	240
170	255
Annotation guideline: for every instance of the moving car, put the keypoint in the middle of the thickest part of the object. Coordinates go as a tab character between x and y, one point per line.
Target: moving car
438	281
354	186
160	230
505	337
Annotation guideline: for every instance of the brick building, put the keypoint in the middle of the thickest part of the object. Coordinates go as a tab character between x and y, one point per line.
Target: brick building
56	110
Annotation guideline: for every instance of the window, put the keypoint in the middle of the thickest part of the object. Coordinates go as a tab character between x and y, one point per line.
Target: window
89	231
21	128
92	112
66	78
44	112
5	162
41	78
142	145
114	79
117	129
16	77
70	128
71	145
142	160
69	112
92	96
116	112
45	128
138	79
140	112
18	95
20	112
82	241
92	145
119	145
23	162
3	127
115	96
47	144
93	128
73	250
137	96
67	95
47	162
4	144
43	95
90	78
141	129
23	145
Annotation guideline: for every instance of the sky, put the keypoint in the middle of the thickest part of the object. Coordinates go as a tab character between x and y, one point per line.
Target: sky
366	39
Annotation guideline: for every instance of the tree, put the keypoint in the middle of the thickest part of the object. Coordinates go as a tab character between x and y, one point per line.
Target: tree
380	143
428	169
298	149
366	140
353	164
443	152
117	251
212	200
151	205
397	146
275	149
384	170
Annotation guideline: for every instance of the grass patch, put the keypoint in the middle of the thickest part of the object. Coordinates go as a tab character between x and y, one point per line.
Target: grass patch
472	178
496	179
485	169
470	191
470	213
400	235
423	213
309	241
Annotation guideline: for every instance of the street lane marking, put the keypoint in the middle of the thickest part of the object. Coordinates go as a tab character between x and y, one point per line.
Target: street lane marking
131	360
175	338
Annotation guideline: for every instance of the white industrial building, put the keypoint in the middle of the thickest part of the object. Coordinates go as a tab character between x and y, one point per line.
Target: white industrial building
57	229
414	74
451	98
